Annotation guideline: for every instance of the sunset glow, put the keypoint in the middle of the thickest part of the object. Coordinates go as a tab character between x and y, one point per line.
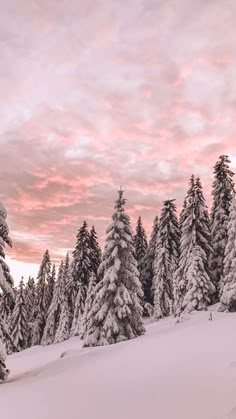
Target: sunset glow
98	94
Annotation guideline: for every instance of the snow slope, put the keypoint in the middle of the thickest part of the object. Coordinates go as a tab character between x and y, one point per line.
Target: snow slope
183	371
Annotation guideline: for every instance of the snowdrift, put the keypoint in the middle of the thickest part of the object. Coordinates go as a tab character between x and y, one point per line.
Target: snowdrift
183	371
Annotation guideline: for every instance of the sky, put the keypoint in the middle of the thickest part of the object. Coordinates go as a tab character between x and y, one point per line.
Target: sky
101	93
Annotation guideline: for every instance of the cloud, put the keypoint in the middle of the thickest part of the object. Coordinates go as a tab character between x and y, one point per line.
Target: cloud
99	94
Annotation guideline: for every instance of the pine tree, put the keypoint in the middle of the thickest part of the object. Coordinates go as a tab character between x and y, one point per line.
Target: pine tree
65	319
88	304
222	192
54	311
199	285
116	313
6	285
141	246
166	260
42	299
148	268
195	236
228	298
19	322
80	273
95	251
30	296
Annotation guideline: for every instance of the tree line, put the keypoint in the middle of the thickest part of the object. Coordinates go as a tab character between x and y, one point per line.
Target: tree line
188	264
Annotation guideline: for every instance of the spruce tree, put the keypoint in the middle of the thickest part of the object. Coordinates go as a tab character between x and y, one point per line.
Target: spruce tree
222	192
148	268
30	296
95	251
116	313
42	299
19	322
141	246
65	319
166	260
88	304
80	274
195	235
228	297
54	311
6	288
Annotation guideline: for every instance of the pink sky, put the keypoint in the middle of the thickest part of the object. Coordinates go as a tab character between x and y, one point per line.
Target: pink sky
98	93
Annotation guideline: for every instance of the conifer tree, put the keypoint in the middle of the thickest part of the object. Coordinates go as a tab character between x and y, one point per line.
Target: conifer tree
228	297
148	268
88	304
222	192
30	296
95	251
166	260
116	313
54	311
42	299
65	319
19	322
80	274
141	246
6	288
195	236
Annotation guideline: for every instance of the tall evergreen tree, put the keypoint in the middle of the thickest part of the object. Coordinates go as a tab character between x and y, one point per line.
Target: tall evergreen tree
148	268
6	288
228	297
19	322
54	311
30	297
195	237
222	192
42	299
95	251
166	260
116	313
80	274
141	246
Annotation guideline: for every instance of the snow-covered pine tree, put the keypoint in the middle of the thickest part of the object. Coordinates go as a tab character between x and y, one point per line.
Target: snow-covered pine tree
116	313
148	269
88	305
19	321
80	274
30	296
141	246
228	297
222	192
166	260
200	288
95	251
54	311
50	285
65	319
195	236
42	299
6	288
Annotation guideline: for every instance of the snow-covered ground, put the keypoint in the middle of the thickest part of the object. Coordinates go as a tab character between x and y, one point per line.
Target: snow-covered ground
184	371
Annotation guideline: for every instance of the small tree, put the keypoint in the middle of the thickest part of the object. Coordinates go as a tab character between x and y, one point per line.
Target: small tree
42	299
88	305
54	309
65	320
116	314
148	268
19	323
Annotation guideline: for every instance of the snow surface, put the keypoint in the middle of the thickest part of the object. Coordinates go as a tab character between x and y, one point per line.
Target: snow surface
183	371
